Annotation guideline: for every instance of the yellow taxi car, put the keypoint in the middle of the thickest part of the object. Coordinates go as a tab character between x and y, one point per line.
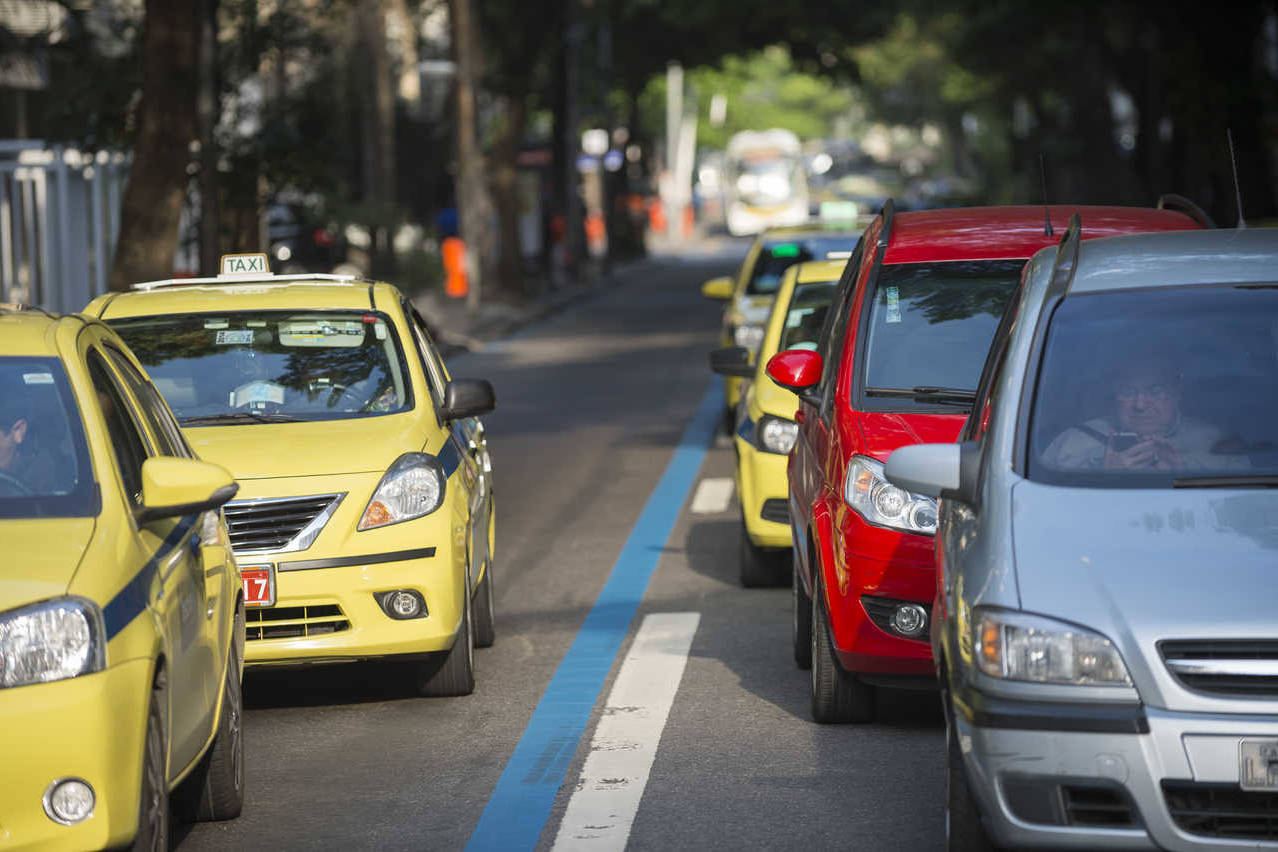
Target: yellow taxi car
121	624
751	292
765	428
364	524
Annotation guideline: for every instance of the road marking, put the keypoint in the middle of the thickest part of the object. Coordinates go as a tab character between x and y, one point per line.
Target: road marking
712	496
602	810
520	804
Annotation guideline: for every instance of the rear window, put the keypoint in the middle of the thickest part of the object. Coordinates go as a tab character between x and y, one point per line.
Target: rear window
1158	387
805	315
930	326
777	256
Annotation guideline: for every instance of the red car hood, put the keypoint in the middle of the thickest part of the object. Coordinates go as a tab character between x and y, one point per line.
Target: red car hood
883	432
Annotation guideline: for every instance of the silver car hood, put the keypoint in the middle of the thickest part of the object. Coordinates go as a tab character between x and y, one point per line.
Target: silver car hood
1143	566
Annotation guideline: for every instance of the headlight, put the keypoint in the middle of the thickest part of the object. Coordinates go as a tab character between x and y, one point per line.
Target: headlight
749	336
775	434
413	486
880	502
51	640
1017	646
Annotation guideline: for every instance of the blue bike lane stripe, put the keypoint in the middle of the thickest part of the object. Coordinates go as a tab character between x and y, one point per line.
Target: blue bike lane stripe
521	802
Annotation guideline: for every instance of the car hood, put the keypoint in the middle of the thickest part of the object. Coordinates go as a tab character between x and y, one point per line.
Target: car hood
884	432
269	450
1146	565
40	557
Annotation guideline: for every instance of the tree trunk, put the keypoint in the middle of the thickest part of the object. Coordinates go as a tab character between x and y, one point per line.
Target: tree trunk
510	270
378	127
474	207
208	107
166	127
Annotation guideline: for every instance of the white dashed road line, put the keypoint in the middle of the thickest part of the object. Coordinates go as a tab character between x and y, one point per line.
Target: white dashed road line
712	496
602	810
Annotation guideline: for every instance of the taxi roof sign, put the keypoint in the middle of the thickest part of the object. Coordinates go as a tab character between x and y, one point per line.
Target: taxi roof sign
244	265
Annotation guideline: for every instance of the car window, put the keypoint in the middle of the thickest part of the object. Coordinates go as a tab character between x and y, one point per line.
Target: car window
127	443
435	375
805	315
153	410
978	422
254	366
44	458
1142	388
776	256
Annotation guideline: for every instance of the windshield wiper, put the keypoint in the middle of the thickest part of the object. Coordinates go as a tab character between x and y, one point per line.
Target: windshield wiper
929	393
1259	480
231	417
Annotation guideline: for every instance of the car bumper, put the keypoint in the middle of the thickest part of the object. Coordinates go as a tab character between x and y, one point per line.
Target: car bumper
328	614
1025	780
89	727
761	489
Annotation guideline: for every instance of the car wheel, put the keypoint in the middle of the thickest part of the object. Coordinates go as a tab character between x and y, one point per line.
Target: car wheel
215	790
452	673
485	619
800	621
963	829
837	696
153	809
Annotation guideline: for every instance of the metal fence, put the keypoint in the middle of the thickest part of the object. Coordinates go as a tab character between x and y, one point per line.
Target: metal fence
59	219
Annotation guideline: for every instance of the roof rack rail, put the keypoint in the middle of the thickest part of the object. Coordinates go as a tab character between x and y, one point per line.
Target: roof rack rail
1066	258
1181	204
250	279
889	215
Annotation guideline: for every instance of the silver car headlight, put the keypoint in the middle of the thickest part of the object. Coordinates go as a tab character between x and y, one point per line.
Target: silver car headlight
1017	646
775	434
880	502
749	336
51	640
412	487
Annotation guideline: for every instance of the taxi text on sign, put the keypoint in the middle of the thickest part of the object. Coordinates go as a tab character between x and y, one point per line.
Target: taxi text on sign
244	264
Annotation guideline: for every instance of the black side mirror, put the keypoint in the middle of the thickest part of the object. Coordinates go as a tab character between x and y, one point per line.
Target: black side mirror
467	398
732	361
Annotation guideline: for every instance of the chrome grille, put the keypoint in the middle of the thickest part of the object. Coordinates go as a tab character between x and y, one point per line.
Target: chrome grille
1227	667
291	622
278	524
1222	810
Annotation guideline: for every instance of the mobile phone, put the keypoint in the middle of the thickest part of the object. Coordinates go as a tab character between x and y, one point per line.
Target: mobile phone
1122	441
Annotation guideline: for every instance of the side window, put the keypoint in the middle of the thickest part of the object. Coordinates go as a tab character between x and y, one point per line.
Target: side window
166	431
836	329
126	441
991	374
426	348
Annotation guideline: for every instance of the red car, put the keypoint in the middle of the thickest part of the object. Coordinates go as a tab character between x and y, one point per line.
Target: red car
899	359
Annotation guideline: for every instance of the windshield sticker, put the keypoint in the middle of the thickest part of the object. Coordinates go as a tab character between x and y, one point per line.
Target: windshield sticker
322	332
379	330
216	323
893	304
256	323
37	378
238	337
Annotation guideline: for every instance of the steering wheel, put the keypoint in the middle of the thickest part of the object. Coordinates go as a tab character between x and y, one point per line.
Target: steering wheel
11	486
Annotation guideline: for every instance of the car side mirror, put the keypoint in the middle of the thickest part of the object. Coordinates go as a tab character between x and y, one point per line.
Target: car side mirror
467	398
720	289
174	487
937	470
795	370
732	361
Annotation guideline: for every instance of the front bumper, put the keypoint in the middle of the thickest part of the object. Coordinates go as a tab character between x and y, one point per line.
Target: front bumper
89	727
761	480
1047	788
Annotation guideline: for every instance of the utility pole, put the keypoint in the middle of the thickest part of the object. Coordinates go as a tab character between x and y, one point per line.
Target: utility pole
474	208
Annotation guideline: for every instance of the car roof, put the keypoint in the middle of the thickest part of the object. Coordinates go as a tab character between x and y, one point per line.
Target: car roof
1013	231
296	293
1177	259
28	332
819	270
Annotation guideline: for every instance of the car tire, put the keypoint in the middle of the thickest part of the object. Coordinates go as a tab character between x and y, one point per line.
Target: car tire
760	568
453	672
800	621
215	790
153	806
963	829
837	696
485	619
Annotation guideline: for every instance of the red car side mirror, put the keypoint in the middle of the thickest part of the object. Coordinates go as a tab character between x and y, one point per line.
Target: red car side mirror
795	369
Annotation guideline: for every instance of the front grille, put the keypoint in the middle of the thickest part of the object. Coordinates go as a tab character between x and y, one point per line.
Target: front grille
1228	667
880	612
258	526
776	509
291	622
1095	806
1222	810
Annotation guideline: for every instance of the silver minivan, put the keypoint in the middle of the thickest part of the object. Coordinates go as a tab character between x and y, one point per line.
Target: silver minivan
1106	622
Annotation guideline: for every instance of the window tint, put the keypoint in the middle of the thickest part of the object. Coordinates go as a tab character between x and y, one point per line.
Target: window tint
166	431
126	441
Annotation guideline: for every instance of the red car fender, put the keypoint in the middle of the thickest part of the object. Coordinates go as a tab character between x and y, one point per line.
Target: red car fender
823	533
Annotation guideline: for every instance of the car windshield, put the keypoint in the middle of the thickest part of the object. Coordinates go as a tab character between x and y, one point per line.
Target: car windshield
272	366
777	256
1159	388
806	314
44	460
930	326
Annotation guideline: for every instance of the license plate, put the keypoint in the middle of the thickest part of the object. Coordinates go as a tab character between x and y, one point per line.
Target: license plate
1258	765
259	585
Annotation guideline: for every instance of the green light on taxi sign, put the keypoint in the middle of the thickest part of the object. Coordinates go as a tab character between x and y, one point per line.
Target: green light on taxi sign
785	250
244	264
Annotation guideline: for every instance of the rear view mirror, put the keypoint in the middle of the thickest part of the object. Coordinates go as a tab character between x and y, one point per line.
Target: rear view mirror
795	369
719	289
174	487
732	361
937	470
467	398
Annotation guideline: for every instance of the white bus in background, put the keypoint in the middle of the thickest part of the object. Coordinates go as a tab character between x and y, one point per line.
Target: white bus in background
766	181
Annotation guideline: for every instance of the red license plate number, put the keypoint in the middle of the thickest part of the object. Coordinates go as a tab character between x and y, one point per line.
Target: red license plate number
259	585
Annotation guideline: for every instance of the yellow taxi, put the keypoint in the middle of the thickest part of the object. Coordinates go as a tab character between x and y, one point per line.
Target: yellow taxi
750	293
364	523
121	624
765	427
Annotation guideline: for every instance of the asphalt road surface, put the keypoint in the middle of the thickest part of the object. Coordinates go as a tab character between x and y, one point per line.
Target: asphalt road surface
603	444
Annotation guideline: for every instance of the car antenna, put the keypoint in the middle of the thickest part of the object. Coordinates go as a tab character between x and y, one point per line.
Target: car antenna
1233	162
1047	211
